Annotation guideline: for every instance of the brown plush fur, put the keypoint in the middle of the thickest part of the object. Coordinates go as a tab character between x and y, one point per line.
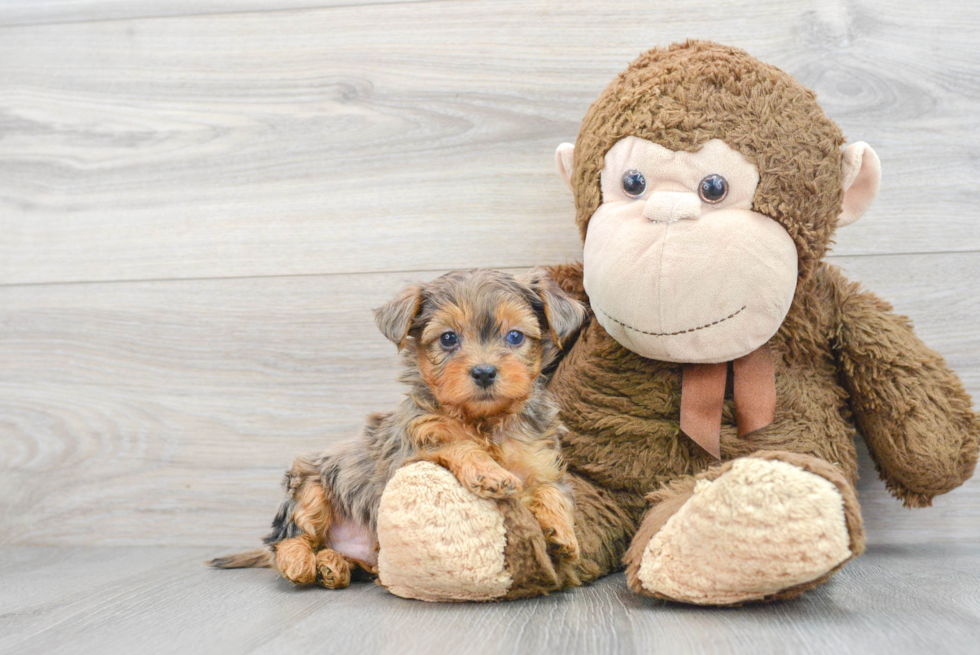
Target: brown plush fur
622	410
843	361
499	437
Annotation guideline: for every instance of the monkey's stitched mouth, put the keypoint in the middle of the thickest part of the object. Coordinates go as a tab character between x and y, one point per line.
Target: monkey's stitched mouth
669	334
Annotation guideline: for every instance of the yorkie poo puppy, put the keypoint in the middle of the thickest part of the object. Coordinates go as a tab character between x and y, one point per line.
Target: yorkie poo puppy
477	346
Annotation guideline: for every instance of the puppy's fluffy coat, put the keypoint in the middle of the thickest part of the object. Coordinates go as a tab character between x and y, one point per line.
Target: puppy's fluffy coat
475	345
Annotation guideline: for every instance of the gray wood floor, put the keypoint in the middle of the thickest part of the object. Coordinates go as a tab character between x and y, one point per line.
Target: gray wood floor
201	200
895	599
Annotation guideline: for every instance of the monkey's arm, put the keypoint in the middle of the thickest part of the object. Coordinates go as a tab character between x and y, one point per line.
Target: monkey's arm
569	278
911	408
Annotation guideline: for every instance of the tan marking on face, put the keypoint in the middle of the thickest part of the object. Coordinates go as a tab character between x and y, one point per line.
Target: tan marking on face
453	318
513	315
448	373
456	386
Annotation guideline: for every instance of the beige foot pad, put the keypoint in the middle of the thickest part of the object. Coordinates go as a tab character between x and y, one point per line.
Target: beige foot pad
760	528
438	541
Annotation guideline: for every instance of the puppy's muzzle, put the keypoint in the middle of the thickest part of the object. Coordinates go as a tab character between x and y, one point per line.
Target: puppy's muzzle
484	375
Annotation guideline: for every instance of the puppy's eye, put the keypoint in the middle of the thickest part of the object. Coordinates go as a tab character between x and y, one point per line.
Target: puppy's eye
448	340
713	189
634	184
515	338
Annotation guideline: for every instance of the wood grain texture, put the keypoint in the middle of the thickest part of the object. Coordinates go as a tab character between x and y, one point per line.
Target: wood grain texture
894	600
43	12
279	173
420	136
165	412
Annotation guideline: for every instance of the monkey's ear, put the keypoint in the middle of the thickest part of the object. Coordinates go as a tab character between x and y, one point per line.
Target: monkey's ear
563	314
394	319
861	176
564	158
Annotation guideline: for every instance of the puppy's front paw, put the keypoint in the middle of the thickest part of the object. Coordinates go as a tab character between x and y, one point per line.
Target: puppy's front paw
490	481
561	542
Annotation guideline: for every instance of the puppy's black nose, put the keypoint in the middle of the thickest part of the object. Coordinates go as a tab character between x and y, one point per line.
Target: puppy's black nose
484	374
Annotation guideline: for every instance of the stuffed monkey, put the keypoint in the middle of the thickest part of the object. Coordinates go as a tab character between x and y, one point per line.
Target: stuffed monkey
713	396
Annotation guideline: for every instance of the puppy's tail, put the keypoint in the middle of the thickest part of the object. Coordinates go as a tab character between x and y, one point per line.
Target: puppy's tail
283	527
260	558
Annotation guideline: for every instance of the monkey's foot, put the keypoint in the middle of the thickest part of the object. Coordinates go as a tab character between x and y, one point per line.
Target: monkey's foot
764	527
440	542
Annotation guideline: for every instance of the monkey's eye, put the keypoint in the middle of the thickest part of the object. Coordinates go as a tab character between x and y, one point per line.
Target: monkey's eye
634	184
713	189
515	338
448	340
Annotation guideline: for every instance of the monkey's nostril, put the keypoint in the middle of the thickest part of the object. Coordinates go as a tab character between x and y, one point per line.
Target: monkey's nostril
484	375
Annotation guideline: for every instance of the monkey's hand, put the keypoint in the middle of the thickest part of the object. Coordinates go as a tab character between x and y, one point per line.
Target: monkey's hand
911	408
439	542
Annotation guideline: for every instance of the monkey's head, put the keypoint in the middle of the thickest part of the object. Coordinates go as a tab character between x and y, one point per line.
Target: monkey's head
707	184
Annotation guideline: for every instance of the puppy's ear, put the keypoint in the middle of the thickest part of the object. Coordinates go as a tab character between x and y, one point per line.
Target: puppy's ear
563	314
394	319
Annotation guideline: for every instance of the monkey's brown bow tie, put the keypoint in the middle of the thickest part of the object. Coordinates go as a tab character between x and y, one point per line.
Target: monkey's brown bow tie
703	397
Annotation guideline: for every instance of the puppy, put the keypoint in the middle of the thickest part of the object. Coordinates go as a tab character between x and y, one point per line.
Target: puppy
477	347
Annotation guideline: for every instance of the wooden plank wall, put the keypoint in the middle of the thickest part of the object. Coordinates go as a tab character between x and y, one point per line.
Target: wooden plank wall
201	201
